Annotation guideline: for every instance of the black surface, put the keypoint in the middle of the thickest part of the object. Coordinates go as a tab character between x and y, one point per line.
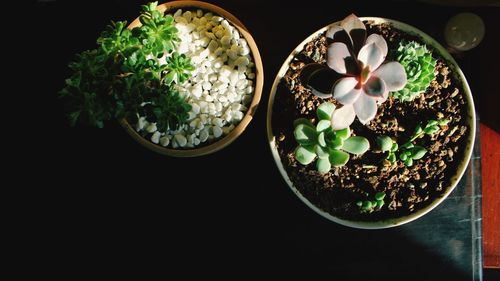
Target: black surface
222	215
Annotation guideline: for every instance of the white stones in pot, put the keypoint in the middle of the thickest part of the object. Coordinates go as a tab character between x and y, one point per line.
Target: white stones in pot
221	86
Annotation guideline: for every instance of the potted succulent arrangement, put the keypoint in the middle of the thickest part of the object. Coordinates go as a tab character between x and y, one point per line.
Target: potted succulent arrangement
371	122
183	79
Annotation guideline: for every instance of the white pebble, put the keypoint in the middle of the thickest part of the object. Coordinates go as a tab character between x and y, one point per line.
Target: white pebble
207	86
178	13
217	131
225	40
141	123
219	51
225	70
180	19
194	123
241	84
237	115
218	62
220	33
249	89
243	61
217	122
232	54
210	99
204	135
233	78
180	139
155	138
196	91
187	15
164	141
213	45
151	128
195	108
216	19
218	106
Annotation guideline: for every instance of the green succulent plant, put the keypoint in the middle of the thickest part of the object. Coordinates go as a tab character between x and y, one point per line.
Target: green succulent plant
419	65
408	151
320	141
366	206
123	77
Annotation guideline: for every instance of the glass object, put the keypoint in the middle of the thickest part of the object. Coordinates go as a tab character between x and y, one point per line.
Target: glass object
464	31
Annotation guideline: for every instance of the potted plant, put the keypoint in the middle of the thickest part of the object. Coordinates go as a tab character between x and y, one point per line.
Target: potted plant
183	79
371	122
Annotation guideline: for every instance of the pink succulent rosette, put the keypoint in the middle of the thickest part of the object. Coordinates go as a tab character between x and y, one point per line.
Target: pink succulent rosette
365	79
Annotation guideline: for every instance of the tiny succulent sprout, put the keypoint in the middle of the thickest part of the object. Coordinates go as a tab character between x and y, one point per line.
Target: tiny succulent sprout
365	79
408	152
368	206
419	66
384	143
331	147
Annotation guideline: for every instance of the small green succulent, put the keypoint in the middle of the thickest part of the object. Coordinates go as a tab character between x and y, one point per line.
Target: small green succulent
331	147
179	67
366	206
419	65
408	151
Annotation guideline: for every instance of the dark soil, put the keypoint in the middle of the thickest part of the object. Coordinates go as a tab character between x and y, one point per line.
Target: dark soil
407	188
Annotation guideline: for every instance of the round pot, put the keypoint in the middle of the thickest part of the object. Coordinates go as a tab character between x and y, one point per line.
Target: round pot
259	81
462	162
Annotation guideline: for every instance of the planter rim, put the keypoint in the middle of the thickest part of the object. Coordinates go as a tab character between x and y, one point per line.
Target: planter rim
471	122
259	82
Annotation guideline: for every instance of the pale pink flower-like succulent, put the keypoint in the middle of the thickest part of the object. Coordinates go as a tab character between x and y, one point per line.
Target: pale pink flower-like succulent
365	80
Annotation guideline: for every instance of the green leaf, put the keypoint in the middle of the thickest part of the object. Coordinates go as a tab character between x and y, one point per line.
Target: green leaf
304	155
325	111
322	125
380	204
343	134
367	205
407	145
379	196
394	147
335	143
431	130
356	145
432	123
384	143
391	157
323	165
443	121
305	135
418	130
417	152
408	162
338	157
403	157
322	152
321	139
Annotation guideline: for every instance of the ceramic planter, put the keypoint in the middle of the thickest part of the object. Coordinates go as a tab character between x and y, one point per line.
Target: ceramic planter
461	160
259	77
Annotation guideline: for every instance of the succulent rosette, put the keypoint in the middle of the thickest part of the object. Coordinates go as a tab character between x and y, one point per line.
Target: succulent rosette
365	80
419	65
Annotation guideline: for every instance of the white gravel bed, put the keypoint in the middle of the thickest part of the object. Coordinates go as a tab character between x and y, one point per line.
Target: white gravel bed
221	86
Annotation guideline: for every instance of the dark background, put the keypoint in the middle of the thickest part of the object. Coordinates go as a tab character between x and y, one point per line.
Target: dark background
229	214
